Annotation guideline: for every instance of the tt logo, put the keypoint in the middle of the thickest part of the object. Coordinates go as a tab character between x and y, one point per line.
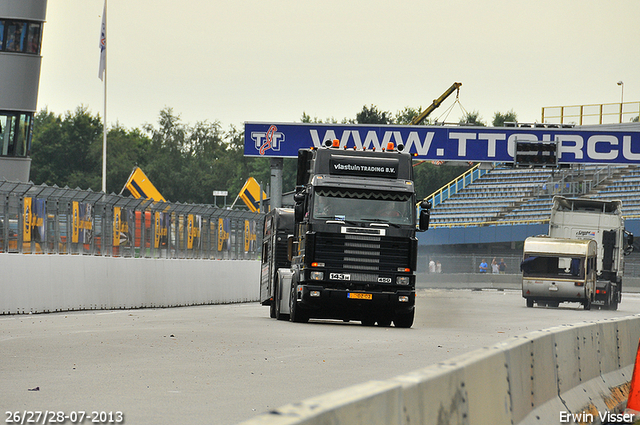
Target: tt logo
269	140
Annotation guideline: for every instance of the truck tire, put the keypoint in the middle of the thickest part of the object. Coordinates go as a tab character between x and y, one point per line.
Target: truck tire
404	320
529	302
587	303
296	314
272	308
613	300
276	300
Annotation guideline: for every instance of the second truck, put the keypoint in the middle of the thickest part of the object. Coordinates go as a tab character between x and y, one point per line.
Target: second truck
588	219
351	246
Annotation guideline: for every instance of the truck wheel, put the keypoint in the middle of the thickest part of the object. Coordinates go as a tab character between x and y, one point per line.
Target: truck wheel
274	300
272	308
587	304
529	302
279	316
404	320
613	304
296	315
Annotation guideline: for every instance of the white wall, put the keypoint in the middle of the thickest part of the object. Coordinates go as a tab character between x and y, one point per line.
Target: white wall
45	283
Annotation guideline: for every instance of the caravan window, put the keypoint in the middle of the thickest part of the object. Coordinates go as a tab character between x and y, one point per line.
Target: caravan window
543	266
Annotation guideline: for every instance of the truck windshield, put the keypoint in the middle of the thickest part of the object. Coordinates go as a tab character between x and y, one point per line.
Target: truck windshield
363	206
548	266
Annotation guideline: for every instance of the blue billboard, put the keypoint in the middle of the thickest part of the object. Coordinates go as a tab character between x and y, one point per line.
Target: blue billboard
439	143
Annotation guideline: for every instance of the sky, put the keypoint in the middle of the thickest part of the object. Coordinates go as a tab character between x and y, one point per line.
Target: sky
234	61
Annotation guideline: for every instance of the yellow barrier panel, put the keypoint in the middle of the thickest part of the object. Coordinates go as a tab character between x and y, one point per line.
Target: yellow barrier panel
250	194
140	186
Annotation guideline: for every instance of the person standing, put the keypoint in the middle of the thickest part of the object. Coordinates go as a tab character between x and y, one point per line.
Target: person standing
502	266
483	266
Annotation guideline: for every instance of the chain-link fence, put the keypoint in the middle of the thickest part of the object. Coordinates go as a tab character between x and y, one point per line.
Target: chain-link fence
52	220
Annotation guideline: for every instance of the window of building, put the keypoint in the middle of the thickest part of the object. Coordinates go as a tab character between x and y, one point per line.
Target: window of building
16	32
22	37
15	134
33	38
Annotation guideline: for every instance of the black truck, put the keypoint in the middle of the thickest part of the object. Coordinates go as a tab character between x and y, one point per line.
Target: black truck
351	245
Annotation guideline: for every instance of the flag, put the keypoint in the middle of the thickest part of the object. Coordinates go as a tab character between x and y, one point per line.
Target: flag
103	43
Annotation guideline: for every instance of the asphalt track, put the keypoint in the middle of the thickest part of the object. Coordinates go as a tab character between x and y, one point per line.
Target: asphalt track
223	364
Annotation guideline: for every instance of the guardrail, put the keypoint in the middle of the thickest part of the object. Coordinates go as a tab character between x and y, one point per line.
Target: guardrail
51	220
490	223
541	378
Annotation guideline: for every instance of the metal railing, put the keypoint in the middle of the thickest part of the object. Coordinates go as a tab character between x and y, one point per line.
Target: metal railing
602	113
53	220
455	186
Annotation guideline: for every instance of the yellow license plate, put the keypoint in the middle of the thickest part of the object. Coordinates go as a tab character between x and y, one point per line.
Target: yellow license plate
359	296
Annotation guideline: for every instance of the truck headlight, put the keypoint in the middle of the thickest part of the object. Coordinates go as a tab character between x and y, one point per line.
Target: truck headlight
403	280
317	275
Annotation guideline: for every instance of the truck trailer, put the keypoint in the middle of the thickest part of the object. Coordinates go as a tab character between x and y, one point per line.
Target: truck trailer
351	239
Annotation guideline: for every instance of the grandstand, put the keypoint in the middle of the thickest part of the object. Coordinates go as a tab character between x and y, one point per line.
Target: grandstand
489	214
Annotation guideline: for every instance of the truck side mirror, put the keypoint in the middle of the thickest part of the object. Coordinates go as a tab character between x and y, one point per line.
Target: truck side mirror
629	243
299	197
298	209
424	220
425	215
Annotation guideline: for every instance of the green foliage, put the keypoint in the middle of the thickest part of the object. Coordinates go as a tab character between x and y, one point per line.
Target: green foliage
499	119
472	118
407	115
67	150
371	115
429	177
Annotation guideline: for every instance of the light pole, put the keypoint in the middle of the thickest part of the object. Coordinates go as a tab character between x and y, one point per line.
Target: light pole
621	84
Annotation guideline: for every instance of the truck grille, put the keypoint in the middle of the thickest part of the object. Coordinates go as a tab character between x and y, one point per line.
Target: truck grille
362	252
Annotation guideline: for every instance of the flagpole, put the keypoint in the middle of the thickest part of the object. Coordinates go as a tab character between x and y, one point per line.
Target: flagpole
104	126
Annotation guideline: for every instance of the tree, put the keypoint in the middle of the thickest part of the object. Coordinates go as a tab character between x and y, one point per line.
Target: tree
408	114
126	149
188	162
472	118
67	151
499	119
372	115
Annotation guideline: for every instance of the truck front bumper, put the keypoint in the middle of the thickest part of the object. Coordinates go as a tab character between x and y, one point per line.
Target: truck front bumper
321	302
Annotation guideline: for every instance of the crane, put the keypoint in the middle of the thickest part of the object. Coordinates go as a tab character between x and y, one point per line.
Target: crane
424	114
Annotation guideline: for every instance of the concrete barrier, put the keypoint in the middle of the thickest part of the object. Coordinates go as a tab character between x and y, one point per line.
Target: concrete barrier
46	283
541	378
